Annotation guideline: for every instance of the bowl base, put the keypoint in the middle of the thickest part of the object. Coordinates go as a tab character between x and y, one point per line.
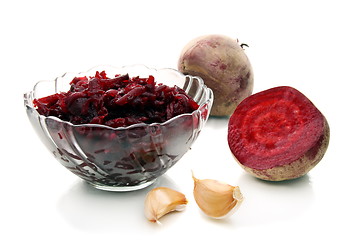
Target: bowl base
121	188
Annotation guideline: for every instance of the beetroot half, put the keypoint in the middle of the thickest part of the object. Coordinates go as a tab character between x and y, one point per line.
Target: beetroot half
278	134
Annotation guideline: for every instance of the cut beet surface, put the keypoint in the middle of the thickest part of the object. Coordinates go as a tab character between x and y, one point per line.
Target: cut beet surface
278	134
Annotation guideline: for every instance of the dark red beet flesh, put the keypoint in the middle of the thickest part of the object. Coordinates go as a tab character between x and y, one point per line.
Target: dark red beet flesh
116	102
275	128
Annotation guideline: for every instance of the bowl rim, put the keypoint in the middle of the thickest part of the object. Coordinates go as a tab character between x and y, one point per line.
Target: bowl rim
28	96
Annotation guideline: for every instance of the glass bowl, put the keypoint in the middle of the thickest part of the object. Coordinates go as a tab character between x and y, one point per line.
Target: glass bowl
123	158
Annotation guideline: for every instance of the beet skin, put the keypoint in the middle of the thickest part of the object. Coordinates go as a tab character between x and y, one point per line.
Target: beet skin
223	65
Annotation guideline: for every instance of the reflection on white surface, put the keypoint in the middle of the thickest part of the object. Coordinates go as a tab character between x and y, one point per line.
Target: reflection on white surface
270	202
88	209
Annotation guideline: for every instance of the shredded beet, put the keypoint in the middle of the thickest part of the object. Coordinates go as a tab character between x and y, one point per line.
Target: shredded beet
116	102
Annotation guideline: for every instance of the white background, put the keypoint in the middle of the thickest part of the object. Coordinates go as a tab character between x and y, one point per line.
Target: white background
313	46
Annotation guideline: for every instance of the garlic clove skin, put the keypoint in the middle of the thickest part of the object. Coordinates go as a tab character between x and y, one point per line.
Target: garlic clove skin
217	199
162	200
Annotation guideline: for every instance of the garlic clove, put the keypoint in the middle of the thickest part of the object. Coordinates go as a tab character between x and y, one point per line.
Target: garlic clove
162	200
216	199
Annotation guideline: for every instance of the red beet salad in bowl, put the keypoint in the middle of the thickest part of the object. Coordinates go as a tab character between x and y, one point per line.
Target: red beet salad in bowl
119	129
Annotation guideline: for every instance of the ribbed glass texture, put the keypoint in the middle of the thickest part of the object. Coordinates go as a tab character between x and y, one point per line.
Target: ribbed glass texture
124	158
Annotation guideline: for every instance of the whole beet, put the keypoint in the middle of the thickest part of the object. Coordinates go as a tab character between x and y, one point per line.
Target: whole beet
223	65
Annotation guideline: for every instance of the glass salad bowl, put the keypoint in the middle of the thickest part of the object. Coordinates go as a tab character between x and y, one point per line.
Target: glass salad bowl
122	158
